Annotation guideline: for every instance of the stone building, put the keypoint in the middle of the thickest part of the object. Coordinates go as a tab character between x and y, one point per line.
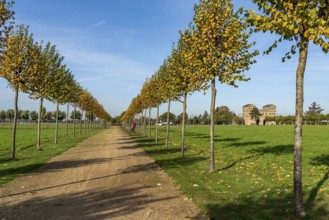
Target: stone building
266	111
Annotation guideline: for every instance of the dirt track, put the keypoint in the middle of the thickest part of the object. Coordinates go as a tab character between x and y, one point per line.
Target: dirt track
105	177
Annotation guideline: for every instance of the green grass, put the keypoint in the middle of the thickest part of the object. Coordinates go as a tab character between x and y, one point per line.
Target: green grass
27	157
254	170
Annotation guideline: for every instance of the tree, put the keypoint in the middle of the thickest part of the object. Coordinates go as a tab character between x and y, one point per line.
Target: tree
205	118
194	120
25	115
85	103
299	22
254	114
185	77
223	115
2	115
163	117
10	113
220	50
76	115
314	109
74	99
43	112
146	96
156	97
90	117
327	118
314	113
6	24
180	117
44	77
59	93
16	62
48	116
237	120
33	115
168	89
19	114
60	115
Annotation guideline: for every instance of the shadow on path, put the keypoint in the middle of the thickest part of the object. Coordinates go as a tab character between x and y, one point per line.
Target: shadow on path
95	204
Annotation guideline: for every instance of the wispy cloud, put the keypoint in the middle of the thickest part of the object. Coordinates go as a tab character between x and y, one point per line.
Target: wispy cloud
94	78
99	23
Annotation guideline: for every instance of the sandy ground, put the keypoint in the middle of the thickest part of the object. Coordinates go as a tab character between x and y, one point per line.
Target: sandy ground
105	177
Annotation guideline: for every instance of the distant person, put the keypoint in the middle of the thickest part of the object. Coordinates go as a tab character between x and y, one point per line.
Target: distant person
133	126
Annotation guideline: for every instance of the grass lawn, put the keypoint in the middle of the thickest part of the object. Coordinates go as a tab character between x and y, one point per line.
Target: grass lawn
254	169
27	157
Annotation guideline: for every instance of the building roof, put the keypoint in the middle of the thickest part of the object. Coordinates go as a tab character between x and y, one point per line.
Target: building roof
269	105
249	105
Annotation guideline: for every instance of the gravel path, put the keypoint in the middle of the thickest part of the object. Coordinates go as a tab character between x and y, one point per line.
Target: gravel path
105	177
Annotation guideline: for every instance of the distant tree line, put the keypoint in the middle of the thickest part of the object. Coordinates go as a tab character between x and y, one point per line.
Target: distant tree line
313	116
27	115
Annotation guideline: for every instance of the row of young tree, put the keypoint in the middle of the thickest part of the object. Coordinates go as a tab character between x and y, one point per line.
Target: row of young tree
223	116
216	47
37	69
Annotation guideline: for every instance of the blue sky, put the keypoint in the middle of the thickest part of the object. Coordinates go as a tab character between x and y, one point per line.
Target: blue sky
111	46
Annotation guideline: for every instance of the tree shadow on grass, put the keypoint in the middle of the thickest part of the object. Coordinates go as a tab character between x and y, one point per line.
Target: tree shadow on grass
276	150
140	145
26	147
247	144
124	139
19	170
217	138
6	160
192	134
7	153
143	140
269	208
318	160
228	139
162	150
237	161
179	161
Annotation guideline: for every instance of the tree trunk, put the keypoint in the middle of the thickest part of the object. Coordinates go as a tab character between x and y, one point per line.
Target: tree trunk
67	119
144	123
13	146
183	126
75	108
39	125
156	125
298	187
212	125
167	133
149	122
90	124
56	128
85	125
141	122
80	121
